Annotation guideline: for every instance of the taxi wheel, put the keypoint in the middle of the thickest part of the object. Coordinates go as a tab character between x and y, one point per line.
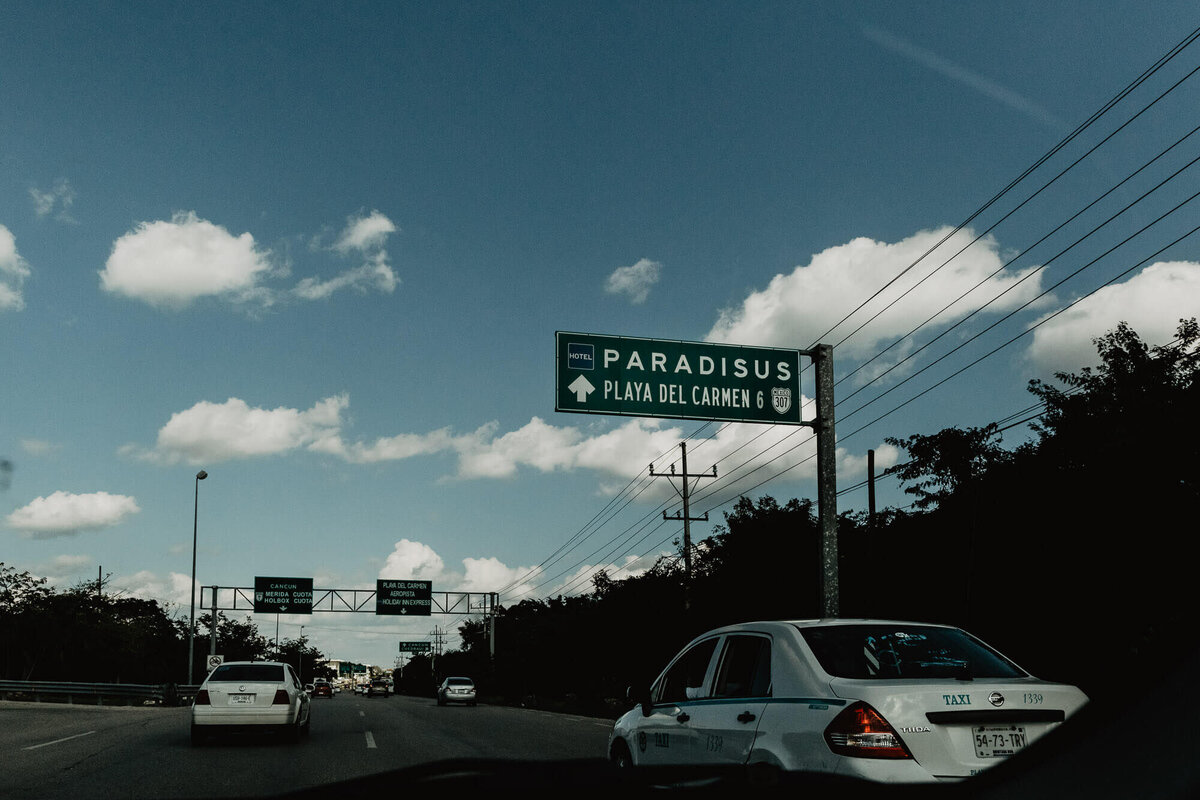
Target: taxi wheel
620	756
197	736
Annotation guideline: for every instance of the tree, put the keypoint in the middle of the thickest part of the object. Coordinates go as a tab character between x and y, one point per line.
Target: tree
948	461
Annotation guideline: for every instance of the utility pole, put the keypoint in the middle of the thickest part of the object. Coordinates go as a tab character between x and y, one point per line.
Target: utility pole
822	357
871	488
684	491
437	633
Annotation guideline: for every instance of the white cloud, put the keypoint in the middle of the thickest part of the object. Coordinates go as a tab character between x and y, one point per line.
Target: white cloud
175	589
418	561
13	272
413	561
171	264
208	433
64	514
61	197
39	447
1152	302
797	308
635	281
363	236
367	233
400	446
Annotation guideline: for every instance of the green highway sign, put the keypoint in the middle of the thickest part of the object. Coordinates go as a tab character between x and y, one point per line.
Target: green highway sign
416	647
283	595
404	598
599	374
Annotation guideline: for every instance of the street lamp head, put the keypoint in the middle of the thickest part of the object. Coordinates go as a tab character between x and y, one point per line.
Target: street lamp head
201	475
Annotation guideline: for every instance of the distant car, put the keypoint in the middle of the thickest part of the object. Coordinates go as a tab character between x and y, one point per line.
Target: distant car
251	696
876	700
456	690
378	686
322	688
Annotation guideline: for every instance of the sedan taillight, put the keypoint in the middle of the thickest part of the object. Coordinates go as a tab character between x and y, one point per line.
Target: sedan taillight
201	698
862	732
281	698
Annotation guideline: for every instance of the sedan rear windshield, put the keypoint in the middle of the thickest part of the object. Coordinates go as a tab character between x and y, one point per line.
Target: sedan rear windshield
459	682
263	673
905	651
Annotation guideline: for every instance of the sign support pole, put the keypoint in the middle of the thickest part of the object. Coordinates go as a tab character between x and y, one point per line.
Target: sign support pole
822	356
212	634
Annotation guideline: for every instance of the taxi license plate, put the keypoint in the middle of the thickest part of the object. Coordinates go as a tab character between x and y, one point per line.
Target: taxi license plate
997	741
241	699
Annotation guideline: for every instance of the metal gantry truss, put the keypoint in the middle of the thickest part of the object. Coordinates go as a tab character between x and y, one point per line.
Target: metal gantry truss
355	601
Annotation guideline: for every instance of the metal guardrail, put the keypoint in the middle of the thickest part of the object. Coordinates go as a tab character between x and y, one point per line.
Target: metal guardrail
97	693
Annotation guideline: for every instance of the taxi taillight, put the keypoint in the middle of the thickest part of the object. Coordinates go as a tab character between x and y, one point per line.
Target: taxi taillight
862	732
281	698
201	698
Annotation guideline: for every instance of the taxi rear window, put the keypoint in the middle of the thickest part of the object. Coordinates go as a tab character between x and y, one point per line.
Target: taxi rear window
266	673
889	652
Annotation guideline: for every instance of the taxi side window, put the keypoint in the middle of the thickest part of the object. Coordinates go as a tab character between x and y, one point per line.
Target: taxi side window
745	668
685	679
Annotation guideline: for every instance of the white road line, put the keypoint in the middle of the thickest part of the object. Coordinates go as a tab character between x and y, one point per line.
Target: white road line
56	741
362	714
370	741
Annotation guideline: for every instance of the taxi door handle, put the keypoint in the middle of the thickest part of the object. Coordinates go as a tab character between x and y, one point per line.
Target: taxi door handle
683	717
745	716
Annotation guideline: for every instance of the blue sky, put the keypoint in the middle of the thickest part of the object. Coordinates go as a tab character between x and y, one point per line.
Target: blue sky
321	252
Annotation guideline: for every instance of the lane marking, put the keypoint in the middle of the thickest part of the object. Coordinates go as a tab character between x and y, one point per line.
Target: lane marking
370	741
57	741
362	714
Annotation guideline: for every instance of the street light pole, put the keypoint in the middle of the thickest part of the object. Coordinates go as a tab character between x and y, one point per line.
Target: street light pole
201	475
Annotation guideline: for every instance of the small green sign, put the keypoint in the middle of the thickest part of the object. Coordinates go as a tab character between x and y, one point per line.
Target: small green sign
598	374
283	595
416	647
404	598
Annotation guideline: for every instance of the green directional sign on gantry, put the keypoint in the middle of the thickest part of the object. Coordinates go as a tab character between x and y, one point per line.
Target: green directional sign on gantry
416	648
404	598
599	374
283	595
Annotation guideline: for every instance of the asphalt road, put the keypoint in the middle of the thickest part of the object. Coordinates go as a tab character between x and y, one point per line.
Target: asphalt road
78	752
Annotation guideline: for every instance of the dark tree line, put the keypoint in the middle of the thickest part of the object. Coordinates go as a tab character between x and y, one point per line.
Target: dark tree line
1068	552
83	634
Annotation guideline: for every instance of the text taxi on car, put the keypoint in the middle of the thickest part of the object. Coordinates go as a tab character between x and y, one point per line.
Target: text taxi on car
868	699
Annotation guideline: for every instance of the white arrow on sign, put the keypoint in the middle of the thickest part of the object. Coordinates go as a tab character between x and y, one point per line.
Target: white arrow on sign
582	387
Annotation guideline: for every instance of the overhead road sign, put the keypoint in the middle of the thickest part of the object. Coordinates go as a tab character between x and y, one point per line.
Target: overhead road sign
404	598
283	595
416	648
600	374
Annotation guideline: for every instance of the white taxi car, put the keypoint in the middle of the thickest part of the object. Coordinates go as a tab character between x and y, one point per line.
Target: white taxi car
870	699
248	695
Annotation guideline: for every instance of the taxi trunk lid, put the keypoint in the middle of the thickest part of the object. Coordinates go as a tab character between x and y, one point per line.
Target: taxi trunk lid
955	729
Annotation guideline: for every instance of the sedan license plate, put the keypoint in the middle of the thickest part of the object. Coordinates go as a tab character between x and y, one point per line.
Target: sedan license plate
997	741
241	699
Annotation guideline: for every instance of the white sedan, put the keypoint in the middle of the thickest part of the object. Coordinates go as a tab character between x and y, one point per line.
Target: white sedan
251	696
871	699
